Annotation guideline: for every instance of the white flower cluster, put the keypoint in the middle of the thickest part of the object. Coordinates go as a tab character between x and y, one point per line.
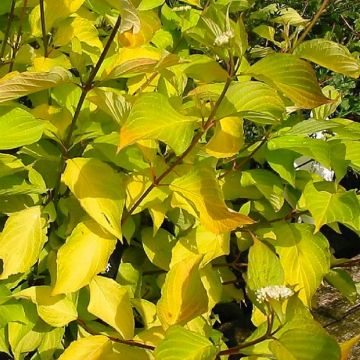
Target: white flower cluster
275	292
181	8
223	38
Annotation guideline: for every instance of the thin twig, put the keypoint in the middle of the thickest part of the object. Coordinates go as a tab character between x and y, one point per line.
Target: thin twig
85	89
7	31
43	28
121	341
18	36
268	335
350	263
353	309
146	83
312	23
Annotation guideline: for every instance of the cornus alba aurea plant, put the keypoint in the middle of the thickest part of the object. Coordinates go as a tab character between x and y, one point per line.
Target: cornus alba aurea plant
132	203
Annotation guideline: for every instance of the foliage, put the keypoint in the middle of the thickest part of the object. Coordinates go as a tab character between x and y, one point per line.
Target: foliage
147	173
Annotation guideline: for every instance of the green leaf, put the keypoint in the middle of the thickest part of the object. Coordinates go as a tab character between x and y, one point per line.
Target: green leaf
329	207
18	127
305	257
158	246
57	310
264	267
342	281
147	122
51	343
183	296
282	161
110	302
86	253
316	149
129	16
292	76
268	183
111	103
180	344
26	83
99	189
305	344
200	188
96	347
330	55
21	241
250	99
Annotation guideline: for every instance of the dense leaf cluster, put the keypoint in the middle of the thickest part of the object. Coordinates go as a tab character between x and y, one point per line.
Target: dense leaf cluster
158	159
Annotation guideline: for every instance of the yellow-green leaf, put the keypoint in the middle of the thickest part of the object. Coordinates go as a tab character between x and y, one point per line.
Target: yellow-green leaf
18	127
264	267
96	347
200	241
22	84
328	207
147	122
54	12
183	296
292	76
180	344
21	241
110	302
201	189
86	253
305	257
56	310
330	55
99	189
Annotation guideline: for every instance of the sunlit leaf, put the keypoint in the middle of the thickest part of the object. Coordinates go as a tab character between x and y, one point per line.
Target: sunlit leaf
331	55
201	189
21	241
264	267
95	347
18	127
292	76
305	257
110	302
327	207
183	296
56	310
228	138
86	252
180	344
99	189
26	83
146	122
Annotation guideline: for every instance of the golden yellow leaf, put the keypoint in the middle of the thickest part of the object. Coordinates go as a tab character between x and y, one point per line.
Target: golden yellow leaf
56	310
99	189
110	302
183	296
228	138
202	190
86	252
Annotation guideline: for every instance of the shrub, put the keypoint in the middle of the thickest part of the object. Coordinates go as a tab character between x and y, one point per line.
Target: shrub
153	164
